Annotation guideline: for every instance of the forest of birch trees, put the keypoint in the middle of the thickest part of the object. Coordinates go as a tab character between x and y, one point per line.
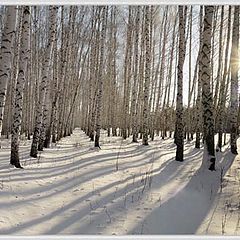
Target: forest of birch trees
135	71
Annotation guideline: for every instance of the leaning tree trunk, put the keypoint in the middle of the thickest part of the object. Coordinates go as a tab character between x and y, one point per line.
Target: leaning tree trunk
234	64
207	101
6	55
22	73
179	138
45	74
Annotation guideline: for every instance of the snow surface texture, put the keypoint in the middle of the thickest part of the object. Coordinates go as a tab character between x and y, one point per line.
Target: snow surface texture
73	188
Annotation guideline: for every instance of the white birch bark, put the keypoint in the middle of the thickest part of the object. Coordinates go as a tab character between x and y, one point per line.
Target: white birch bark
135	76
199	85
179	136
21	78
6	56
147	76
100	80
234	64
220	60
127	75
223	89
207	101
45	74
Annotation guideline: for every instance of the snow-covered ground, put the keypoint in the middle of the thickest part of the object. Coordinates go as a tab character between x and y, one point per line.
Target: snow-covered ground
73	188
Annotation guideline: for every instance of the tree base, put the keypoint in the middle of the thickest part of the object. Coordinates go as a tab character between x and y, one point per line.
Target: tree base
33	155
97	146
91	137
134	139
234	151
212	166
179	160
17	165
197	144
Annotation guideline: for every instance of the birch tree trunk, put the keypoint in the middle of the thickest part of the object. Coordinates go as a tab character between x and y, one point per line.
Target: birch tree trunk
179	136
114	74
135	76
21	78
223	89
234	64
162	54
220	60
45	74
213	41
45	118
94	56
6	56
171	61
147	76
51	130
9	101
100	80
188	124
207	101
127	74
199	84
141	76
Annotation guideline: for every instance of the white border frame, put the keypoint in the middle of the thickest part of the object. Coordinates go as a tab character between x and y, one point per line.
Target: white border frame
138	237
119	2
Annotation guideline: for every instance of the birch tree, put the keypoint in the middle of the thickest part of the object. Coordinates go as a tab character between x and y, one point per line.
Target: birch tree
100	79
199	84
223	88
147	76
220	62
179	140
234	64
207	101
45	74
127	74
21	78
6	56
135	76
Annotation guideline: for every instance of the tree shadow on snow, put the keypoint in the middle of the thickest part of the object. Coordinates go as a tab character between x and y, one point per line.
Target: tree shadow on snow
181	214
185	211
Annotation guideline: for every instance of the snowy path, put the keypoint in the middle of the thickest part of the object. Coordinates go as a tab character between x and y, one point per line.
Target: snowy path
75	189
